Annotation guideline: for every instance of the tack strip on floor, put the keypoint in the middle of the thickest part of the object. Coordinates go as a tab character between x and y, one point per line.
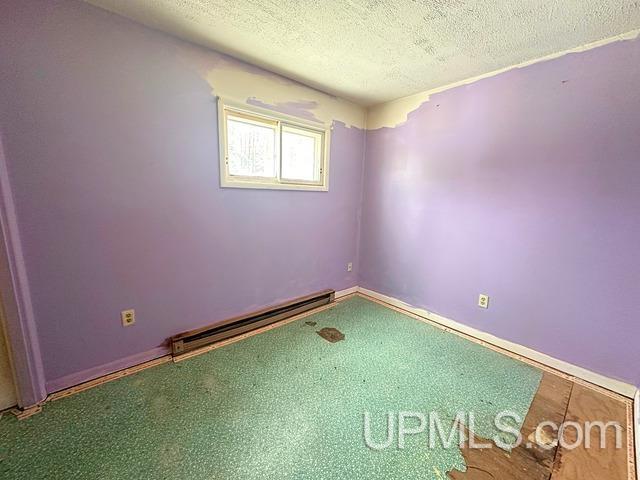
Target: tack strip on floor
237	338
498	349
631	461
167	358
26	413
22	414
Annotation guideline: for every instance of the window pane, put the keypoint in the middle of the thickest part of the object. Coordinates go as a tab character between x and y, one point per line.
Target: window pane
251	148
301	154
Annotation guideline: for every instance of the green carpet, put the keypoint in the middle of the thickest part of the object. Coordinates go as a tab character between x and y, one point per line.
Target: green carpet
285	404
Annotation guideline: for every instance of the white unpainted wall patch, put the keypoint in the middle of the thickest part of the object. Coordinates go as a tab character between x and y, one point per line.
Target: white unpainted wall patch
232	80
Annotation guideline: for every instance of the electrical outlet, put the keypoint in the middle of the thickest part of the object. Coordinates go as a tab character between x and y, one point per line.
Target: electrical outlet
349	266
483	301
128	317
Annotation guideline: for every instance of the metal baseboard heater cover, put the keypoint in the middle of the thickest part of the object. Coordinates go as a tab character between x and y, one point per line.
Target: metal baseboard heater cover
194	339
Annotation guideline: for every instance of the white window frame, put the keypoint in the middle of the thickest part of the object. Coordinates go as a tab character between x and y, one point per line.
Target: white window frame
279	120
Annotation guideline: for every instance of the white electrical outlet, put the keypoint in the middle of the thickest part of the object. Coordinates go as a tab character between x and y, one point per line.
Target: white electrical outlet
483	301
349	266
128	317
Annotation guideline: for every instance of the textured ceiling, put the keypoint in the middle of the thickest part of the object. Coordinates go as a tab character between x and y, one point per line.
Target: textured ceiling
372	51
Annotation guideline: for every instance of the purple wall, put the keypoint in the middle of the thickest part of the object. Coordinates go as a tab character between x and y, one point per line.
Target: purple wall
111	146
526	187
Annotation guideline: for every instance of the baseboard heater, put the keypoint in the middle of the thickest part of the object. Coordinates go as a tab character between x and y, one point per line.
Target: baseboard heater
194	339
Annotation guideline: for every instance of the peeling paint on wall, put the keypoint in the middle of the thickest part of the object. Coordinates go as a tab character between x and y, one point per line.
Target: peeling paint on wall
241	82
303	109
240	85
395	113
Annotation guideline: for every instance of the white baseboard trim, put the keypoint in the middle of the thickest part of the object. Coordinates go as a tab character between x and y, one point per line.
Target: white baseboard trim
636	429
617	386
346	291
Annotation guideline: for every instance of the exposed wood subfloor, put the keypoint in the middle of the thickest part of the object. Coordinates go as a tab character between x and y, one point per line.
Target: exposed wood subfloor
560	400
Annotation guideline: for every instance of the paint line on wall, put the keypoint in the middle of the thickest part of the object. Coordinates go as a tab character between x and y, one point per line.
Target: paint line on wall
303	109
240	85
235	80
395	113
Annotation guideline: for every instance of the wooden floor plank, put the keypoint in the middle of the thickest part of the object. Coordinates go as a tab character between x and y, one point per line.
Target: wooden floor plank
596	462
531	462
549	405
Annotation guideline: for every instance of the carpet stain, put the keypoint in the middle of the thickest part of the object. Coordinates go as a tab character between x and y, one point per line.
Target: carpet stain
332	335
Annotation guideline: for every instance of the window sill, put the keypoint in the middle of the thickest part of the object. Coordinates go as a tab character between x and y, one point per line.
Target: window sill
273	186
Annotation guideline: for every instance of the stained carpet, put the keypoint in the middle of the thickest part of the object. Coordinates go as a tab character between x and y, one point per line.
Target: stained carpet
285	404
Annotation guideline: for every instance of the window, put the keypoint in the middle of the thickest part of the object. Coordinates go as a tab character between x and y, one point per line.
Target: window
268	150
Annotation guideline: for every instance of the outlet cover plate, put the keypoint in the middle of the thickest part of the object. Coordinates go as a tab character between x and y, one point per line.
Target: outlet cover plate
483	301
128	317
